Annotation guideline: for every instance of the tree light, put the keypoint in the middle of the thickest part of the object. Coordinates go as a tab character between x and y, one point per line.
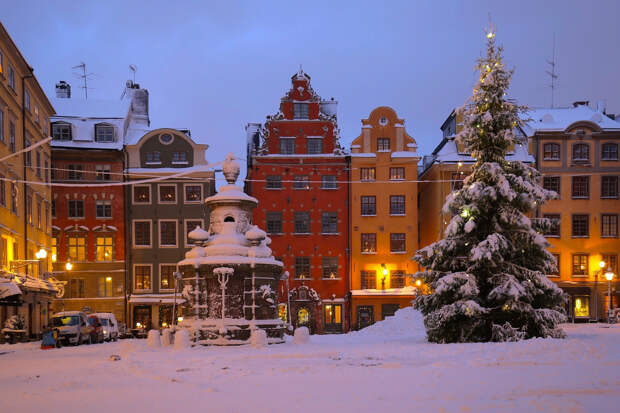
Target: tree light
465	213
418	282
490	35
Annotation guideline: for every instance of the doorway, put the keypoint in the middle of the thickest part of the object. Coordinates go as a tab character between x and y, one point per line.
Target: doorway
333	318
365	316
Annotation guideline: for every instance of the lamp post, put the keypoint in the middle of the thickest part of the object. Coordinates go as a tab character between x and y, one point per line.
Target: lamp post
288	300
601	264
609	275
384	272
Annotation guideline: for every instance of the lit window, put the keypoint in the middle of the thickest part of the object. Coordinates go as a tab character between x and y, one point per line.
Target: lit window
397	279
397	174
76	248
369	243
103	248
166	277
330	267
580	264
142	277
368	174
167	193
302	267
105	286
193	193
141	194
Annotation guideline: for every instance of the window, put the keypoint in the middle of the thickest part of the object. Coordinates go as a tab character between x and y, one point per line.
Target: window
36	113
4	252
397	174
581	225
383	144
302	267
329	182
76	208
609	225
76	288
27	99
397	279
456	181
28	155
179	157
2	137
329	223
105	286
315	146
611	261
581	152
46	170
368	280
167	233
61	131
609	152
103	209
142	233
551	152
53	208
368	174
38	164
581	186
301	182
287	146
274	222
1	63
369	205
302	222
552	183
103	248
104	133
75	172
397	243
609	187
166	276
556	273
142	194
300	110
274	182
369	243
76	248
2	191
142	277
580	264
14	199
554	230
153	157
330	267
11	77
102	172
39	212
397	205
193	193
167	194
191	225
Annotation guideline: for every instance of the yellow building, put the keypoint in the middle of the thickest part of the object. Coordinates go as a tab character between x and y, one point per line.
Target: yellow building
25	208
384	217
576	150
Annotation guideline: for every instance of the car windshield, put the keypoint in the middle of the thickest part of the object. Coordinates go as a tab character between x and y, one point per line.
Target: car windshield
104	322
92	321
72	320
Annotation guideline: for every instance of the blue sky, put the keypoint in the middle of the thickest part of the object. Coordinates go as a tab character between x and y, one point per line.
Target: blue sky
215	66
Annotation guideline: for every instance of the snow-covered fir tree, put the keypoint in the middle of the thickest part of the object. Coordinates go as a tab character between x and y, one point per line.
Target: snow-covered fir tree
487	274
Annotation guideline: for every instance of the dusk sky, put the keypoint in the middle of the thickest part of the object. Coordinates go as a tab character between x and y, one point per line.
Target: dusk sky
212	67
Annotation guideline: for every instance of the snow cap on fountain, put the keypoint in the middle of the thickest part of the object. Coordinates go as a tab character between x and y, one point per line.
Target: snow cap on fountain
231	168
255	235
198	234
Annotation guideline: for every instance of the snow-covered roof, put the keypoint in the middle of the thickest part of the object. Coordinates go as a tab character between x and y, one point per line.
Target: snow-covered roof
448	152
558	119
91	108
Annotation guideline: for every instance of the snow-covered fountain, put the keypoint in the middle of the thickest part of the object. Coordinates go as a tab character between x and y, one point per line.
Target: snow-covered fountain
230	277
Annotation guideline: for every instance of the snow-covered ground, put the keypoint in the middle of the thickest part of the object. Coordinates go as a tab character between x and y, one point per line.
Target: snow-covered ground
386	367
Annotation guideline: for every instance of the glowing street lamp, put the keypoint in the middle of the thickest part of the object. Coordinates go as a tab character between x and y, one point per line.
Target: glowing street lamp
68	266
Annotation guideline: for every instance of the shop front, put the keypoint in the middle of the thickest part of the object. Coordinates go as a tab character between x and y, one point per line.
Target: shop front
370	306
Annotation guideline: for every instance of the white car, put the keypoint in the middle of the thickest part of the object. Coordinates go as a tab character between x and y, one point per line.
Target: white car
110	326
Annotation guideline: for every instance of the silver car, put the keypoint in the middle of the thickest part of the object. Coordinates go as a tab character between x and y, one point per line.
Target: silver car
72	326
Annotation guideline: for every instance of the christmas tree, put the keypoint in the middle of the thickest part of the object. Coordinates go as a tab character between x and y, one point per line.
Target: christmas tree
488	272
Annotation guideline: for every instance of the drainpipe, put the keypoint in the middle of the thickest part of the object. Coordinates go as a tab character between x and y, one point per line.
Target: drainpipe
126	202
23	78
348	252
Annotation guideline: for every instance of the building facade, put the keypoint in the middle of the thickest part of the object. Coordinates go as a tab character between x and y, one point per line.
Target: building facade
384	218
576	151
299	173
25	194
160	215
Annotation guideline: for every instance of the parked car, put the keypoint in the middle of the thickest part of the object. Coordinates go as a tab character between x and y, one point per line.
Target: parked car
110	326
73	327
96	334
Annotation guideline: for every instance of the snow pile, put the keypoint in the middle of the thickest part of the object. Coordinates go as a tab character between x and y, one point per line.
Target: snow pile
258	338
153	340
181	340
405	323
302	335
166	337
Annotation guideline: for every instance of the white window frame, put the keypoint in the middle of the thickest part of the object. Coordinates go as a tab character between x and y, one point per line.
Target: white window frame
176	233
133	278
176	195
185	201
185	222
133	198
161	264
104	202
133	233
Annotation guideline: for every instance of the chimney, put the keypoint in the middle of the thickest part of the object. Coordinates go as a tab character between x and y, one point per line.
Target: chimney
601	107
63	90
139	113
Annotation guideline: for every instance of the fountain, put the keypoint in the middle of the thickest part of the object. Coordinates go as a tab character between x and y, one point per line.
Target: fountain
230	277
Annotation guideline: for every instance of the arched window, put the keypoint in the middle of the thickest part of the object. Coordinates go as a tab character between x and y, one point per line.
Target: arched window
61	131
551	152
581	152
609	152
104	132
229	219
303	316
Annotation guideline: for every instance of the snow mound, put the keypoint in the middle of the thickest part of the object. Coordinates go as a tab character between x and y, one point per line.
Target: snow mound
153	340
181	340
405	323
258	338
166	337
302	335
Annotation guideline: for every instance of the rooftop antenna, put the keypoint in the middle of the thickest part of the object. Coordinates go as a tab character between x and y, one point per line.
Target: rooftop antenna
133	68
84	76
552	73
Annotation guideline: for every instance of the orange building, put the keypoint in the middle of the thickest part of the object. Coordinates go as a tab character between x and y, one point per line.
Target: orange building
384	211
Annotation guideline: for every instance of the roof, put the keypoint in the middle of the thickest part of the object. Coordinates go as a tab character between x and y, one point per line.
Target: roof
91	108
559	119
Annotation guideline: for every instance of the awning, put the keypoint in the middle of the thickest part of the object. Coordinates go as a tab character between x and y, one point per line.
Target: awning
406	291
8	289
155	299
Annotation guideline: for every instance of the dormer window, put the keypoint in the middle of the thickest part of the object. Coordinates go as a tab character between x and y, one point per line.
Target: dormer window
153	157
300	111
581	152
61	131
179	157
383	144
104	133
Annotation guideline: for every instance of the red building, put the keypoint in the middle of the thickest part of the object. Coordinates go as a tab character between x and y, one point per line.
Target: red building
299	173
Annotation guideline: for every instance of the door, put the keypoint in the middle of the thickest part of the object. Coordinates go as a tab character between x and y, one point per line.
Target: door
333	318
365	316
142	317
388	310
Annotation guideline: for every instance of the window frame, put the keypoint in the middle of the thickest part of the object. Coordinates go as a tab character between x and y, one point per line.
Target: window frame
299	181
558	219
159	194
100	128
200	196
396	205
397	177
103	172
271	180
400	275
557	257
551	180
587	226
576	149
176	233
75	172
111	246
133	195
187	230
298	214
300	263
368	174
103	203
80	249
609	190
316	150
554	151
301	110
75	202
329	221
367	208
368	279
269	215
287	145
395	242
133	233
134	278
381	145
64	129
612	225
161	279
581	273
371	239
610	156
329	184
574	183
327	264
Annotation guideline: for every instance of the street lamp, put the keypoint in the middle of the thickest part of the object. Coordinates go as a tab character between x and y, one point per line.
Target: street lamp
68	266
601	264
384	272
609	275
285	277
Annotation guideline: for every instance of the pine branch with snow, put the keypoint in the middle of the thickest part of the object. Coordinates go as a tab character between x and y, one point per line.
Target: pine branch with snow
488	272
